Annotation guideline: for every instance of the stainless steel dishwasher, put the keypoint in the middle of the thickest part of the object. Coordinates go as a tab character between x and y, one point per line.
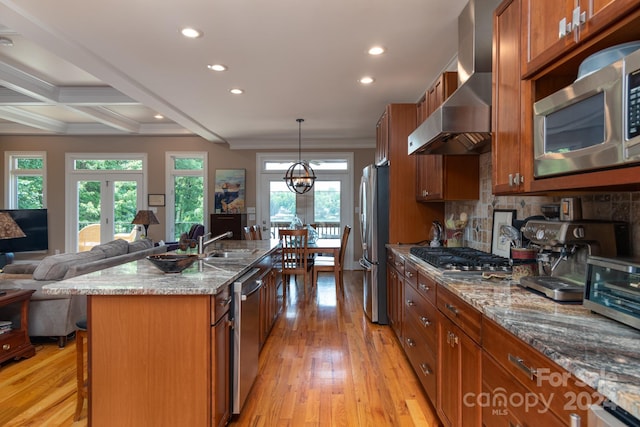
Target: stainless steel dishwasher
246	335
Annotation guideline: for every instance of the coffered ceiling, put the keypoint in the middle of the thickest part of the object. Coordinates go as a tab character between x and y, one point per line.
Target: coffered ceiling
71	67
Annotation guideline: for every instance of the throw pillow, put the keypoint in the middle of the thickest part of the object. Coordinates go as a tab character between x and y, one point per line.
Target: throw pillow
19	268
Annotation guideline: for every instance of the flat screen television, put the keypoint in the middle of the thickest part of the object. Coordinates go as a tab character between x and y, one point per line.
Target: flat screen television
34	224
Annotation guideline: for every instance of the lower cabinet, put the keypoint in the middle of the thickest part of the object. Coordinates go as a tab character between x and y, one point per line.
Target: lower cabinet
271	300
459	376
395	292
221	351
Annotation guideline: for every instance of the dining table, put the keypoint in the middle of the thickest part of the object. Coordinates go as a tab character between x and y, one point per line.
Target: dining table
328	246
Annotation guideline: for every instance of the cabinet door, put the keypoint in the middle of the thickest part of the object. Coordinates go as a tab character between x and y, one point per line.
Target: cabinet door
541	37
429	175
221	372
382	139
505	150
599	14
448	376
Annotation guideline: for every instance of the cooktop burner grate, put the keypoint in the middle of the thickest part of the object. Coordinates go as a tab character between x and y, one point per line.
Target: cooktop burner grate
463	260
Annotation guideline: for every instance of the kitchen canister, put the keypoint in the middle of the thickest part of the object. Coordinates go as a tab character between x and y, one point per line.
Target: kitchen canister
523	263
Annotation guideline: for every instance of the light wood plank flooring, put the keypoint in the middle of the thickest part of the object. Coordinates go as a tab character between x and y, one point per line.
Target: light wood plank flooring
324	364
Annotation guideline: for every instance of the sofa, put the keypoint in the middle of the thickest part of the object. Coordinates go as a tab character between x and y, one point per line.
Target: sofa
56	315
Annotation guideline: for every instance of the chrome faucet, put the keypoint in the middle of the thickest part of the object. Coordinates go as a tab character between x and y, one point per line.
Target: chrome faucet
202	244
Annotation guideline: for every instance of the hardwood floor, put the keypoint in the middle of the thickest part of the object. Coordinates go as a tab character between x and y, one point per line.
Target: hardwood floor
324	364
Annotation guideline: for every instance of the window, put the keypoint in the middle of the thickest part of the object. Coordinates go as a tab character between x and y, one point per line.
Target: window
186	190
26	182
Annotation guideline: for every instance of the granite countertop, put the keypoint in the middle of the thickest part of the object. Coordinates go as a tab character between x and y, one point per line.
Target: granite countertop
143	278
600	352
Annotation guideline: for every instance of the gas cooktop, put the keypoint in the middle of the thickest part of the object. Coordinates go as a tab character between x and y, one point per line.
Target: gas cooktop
461	260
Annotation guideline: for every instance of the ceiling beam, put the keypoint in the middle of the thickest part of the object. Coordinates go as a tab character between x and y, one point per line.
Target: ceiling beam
33	120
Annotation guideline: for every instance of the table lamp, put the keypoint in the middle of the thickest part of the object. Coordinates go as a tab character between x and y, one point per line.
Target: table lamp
9	229
145	218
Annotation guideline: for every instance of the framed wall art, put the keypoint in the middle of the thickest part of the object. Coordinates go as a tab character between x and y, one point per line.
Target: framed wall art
500	246
155	200
230	191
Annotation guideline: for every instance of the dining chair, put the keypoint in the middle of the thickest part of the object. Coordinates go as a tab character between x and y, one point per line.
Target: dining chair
294	256
246	231
324	263
256	232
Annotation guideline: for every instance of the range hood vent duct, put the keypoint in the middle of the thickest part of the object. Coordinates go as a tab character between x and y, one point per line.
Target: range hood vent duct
462	124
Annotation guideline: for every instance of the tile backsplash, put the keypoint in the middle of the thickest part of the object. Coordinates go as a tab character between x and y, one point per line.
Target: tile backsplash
621	206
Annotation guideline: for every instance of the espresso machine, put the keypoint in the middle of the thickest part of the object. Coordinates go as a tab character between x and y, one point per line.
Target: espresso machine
563	248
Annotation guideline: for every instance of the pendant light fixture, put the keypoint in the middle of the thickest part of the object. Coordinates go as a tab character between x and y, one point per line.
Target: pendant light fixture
300	177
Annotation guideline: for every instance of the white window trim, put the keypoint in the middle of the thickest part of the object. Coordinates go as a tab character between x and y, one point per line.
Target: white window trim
10	196
170	172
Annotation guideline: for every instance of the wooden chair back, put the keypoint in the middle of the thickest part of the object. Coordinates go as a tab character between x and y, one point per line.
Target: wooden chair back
246	231
256	232
294	254
343	245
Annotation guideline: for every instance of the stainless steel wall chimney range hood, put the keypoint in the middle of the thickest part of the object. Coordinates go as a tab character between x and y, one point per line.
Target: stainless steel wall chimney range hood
462	124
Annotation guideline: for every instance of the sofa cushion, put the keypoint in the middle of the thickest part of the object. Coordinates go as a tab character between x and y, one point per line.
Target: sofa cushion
140	245
112	248
54	267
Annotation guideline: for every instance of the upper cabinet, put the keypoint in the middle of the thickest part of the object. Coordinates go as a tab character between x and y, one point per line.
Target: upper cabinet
552	27
382	139
510	150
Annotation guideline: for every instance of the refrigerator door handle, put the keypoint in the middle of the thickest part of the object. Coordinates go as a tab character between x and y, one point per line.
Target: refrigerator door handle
365	264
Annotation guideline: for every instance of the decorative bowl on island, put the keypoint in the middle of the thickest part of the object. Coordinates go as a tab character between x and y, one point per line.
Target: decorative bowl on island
172	263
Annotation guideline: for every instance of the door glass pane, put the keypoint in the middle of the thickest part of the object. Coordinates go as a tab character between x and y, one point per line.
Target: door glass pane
282	206
89	205
125	196
326	208
189	202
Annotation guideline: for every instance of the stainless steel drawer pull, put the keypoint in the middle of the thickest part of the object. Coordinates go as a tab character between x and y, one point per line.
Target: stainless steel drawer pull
425	369
452	308
225	302
424	287
519	363
410	303
425	321
408	274
410	342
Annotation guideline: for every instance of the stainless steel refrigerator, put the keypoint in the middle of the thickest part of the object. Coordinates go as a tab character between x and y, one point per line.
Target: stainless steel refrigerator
374	228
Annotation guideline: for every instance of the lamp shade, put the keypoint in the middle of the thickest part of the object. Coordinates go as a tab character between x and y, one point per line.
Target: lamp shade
145	218
9	229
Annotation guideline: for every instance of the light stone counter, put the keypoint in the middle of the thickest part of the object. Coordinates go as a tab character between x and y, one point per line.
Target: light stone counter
143	278
599	351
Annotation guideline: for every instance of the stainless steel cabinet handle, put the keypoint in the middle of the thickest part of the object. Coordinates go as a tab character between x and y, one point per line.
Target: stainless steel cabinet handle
519	363
410	303
425	322
452	308
574	420
425	369
408	274
410	342
424	287
225	302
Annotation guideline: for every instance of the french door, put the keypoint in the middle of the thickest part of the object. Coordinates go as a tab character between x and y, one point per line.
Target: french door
105	204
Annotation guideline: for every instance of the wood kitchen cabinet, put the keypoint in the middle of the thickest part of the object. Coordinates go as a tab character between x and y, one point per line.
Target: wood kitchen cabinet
553	27
459	361
409	220
382	139
221	353
440	177
271	301
511	149
441	89
514	367
395	292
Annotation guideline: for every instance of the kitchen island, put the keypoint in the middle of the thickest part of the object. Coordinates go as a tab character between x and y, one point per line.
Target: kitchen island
597	351
154	357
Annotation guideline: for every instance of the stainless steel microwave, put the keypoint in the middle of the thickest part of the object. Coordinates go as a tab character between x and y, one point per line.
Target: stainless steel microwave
592	124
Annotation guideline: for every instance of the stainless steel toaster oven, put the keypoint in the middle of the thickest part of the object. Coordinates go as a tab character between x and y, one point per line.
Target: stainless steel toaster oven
612	288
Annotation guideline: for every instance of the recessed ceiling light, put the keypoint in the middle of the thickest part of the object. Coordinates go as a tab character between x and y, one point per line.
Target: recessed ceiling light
217	67
377	50
191	33
158	116
366	80
236	91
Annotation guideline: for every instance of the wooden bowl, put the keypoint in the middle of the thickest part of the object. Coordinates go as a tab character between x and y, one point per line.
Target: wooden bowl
172	263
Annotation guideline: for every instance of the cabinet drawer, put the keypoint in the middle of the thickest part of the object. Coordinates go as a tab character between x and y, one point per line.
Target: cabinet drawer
11	341
426	286
411	273
538	374
508	402
421	357
422	314
462	314
221	304
398	263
